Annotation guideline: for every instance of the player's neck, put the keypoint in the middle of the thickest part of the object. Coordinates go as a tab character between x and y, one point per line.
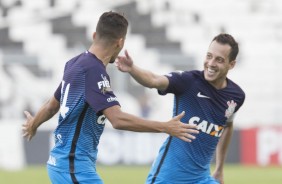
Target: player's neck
102	53
219	84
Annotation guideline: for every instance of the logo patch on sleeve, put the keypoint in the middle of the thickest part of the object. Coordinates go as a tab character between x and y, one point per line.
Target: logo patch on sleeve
231	108
104	85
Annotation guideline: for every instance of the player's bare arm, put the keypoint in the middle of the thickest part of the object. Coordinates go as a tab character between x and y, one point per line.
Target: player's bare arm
174	127
221	151
144	77
47	111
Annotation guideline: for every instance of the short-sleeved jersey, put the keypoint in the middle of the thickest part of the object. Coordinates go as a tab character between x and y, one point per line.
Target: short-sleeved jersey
83	93
210	109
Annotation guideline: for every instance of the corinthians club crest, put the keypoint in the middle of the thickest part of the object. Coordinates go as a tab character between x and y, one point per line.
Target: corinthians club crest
231	108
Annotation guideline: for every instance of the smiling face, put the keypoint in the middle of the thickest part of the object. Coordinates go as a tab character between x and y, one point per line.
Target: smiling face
217	64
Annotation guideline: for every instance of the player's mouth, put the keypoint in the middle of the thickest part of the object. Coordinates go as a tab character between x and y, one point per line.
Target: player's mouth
210	71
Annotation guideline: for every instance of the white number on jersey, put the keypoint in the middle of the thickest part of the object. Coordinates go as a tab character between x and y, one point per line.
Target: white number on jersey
64	109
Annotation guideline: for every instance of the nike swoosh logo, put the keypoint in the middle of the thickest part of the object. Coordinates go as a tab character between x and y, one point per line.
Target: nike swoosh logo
202	96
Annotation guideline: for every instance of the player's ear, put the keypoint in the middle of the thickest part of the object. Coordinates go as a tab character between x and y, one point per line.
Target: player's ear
232	64
120	43
94	35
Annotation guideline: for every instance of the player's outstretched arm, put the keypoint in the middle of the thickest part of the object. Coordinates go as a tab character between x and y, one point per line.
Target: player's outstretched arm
143	77
174	127
47	111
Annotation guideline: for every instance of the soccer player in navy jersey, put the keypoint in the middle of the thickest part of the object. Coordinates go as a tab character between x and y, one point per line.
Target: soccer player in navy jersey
85	99
210	101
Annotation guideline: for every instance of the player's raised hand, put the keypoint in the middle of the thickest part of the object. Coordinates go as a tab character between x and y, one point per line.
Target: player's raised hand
124	63
178	129
27	129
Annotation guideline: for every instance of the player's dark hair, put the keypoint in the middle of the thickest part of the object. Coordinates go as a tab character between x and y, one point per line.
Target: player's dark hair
224	38
111	26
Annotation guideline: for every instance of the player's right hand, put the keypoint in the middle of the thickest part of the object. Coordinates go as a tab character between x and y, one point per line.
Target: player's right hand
124	63
27	128
185	132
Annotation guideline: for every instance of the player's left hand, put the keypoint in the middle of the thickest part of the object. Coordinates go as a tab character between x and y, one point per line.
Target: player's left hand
218	176
27	128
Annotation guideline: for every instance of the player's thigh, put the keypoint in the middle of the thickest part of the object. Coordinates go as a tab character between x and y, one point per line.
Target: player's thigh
88	178
209	180
82	177
59	177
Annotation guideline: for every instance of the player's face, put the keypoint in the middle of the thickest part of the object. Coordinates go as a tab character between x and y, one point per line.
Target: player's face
217	64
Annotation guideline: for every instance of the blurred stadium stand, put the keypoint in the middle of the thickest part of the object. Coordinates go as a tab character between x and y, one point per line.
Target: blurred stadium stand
37	37
164	35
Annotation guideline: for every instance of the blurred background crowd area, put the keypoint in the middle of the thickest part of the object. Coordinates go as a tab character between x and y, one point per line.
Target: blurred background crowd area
37	37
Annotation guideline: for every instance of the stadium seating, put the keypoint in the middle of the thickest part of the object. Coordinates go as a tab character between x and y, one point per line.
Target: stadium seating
38	37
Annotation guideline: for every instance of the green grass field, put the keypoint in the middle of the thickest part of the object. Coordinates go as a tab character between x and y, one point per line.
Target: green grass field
234	174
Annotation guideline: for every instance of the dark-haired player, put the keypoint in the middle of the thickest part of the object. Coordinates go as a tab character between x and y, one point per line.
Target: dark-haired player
210	101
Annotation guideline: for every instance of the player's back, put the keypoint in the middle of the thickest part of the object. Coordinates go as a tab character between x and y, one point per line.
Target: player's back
80	126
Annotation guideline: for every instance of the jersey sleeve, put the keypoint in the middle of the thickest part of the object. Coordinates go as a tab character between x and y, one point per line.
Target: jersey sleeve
231	118
241	102
178	82
239	95
98	92
57	93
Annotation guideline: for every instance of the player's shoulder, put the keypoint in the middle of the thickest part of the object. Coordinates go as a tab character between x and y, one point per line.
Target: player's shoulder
89	62
191	73
74	59
235	88
234	85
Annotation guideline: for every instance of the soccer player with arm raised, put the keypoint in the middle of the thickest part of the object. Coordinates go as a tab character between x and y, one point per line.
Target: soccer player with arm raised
84	99
210	100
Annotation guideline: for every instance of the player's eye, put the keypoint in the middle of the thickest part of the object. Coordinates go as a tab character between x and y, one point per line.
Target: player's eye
209	56
220	60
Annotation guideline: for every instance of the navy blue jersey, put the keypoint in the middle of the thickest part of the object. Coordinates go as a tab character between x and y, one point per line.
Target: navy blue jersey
84	92
210	109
